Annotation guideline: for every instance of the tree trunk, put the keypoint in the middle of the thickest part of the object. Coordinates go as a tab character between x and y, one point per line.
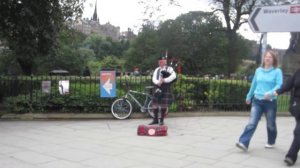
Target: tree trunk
231	53
26	66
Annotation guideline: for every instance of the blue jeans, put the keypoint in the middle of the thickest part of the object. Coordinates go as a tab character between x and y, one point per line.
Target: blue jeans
269	108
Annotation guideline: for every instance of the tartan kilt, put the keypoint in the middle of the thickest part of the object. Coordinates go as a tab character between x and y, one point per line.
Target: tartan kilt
164	101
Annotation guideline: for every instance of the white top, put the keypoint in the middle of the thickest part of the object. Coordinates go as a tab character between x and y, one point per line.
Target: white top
169	79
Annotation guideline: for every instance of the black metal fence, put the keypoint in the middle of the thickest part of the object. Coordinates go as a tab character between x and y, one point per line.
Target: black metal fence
41	93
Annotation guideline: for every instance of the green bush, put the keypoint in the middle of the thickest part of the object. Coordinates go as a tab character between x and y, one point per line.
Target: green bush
228	94
199	93
81	99
190	94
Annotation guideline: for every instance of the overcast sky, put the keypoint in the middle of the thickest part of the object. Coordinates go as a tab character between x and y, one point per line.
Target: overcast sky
129	14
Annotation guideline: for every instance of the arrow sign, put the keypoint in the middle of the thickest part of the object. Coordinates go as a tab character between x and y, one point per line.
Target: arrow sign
107	86
284	18
108	83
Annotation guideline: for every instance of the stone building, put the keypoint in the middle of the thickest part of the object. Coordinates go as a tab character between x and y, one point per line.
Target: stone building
88	26
127	35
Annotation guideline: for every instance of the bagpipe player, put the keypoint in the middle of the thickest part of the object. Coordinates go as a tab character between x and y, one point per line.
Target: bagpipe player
162	78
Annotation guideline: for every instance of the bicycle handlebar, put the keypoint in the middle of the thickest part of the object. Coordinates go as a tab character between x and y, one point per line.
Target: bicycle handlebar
127	87
149	87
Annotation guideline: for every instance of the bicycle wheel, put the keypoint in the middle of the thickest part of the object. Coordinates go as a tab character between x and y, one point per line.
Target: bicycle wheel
150	110
121	108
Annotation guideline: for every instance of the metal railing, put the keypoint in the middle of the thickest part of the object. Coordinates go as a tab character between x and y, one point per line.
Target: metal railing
25	93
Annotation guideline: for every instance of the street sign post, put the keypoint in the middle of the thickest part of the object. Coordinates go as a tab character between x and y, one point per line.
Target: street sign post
264	46
284	18
108	84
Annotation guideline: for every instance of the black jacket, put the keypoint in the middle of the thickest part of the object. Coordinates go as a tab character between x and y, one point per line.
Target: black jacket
292	84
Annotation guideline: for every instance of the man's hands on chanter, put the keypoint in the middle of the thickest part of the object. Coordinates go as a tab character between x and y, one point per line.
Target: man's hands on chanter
161	81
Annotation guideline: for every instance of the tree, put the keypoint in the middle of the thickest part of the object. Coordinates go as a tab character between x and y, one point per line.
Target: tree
8	64
95	42
70	53
117	48
71	9
198	39
152	9
234	13
30	27
144	50
105	46
112	62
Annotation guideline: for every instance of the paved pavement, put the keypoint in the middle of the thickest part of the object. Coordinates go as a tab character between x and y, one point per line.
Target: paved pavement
192	142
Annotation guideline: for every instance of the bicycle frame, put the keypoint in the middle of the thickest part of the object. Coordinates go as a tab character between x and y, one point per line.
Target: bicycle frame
148	98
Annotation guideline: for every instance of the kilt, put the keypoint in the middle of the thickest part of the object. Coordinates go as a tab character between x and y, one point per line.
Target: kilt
164	100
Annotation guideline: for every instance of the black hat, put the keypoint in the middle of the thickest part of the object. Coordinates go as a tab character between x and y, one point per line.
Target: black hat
162	58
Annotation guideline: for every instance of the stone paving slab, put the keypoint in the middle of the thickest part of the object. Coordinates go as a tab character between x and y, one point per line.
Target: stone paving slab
5	115
192	142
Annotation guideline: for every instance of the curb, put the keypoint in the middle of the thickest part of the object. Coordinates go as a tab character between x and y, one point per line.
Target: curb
135	115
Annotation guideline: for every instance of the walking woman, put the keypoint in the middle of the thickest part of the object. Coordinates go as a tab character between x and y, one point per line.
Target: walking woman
267	79
293	84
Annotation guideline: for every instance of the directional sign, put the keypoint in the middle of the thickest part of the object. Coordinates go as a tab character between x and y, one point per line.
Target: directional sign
108	83
285	18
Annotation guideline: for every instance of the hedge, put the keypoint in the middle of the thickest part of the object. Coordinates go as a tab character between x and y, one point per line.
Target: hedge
190	94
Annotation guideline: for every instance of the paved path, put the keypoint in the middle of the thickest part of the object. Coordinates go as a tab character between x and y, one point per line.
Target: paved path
193	142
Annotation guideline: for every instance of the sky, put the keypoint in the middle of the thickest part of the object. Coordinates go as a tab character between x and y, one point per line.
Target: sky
129	14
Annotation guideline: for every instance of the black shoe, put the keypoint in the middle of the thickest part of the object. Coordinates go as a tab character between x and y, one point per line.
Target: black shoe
153	122
289	161
161	121
155	119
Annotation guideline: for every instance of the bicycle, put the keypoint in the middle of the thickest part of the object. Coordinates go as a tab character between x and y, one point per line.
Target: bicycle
122	107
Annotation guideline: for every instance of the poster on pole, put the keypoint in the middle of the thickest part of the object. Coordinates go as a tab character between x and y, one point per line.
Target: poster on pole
46	86
107	84
63	87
